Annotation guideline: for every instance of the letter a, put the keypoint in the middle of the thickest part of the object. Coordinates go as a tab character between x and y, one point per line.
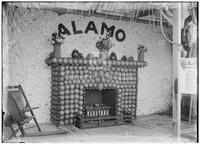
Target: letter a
91	27
63	30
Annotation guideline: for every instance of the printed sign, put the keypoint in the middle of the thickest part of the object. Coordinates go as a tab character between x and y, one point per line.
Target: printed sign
189	76
119	34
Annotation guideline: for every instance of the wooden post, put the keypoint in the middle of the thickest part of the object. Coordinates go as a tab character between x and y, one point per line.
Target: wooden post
177	68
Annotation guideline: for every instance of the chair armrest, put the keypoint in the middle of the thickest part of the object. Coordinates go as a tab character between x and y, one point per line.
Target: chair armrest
28	109
27	119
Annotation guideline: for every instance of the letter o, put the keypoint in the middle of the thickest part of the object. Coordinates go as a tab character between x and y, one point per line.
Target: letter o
117	35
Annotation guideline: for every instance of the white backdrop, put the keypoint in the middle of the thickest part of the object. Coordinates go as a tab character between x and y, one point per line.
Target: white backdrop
32	46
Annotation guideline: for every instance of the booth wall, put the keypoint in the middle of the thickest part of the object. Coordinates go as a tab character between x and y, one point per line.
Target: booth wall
31	46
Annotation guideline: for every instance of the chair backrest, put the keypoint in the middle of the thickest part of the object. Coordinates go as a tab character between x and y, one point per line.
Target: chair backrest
16	103
17	94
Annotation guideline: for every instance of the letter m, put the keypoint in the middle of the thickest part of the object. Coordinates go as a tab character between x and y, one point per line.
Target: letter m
109	30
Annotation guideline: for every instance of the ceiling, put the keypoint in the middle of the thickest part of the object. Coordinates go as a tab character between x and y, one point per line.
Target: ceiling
136	11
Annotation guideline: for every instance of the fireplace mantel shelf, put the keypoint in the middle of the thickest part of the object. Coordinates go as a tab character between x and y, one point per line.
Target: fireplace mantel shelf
95	62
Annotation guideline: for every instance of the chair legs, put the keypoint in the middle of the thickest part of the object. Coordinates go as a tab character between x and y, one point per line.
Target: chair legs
22	129
13	131
37	124
31	111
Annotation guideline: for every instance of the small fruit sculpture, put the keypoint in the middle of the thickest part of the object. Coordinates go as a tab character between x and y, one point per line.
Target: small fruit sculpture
75	54
124	58
113	56
130	58
81	55
89	56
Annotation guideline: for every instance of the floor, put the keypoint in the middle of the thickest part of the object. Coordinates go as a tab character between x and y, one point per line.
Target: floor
151	128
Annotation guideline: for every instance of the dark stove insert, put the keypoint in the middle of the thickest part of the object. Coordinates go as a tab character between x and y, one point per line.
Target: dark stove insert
100	103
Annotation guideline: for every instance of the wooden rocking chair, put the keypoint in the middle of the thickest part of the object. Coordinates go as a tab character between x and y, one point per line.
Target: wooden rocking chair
18	105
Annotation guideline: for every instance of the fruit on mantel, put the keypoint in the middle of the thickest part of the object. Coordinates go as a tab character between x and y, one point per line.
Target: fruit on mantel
130	58
95	63
124	58
113	56
54	60
89	56
75	54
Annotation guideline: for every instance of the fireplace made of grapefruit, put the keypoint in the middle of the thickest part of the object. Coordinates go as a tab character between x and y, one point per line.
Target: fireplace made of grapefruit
92	89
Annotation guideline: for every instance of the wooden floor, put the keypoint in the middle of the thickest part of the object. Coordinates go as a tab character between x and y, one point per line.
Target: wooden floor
151	128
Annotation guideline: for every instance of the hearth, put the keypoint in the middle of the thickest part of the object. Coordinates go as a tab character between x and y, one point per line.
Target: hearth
100	102
92	91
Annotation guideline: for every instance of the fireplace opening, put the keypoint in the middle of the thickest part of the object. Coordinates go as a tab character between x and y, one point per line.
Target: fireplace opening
100	103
